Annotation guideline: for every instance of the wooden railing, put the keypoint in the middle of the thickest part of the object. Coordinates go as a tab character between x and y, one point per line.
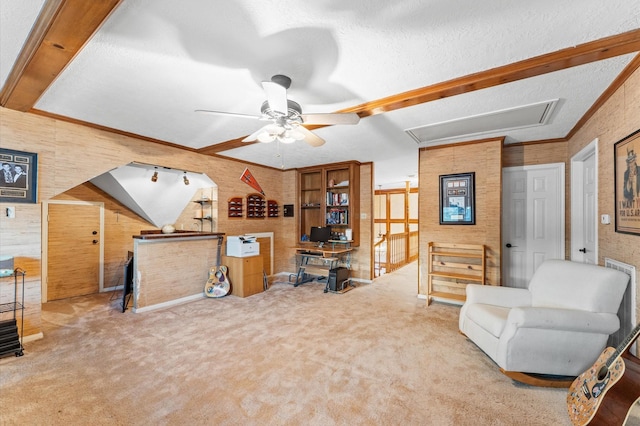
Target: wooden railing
394	251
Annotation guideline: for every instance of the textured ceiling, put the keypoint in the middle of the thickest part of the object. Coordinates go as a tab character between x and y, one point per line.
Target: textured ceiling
154	62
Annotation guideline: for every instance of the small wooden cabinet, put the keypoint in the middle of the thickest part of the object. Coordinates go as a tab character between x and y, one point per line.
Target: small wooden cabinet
245	274
451	266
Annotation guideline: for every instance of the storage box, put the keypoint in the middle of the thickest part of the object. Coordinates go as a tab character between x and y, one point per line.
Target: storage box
242	246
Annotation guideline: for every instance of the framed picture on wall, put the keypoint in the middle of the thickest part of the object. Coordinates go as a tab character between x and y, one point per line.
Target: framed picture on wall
457	199
627	183
18	178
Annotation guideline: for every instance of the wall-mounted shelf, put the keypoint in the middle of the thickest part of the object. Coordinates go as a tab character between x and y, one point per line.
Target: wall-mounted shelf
256	206
235	207
272	208
205	213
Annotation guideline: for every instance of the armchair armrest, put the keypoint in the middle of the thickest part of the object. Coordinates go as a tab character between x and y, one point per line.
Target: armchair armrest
563	319
507	297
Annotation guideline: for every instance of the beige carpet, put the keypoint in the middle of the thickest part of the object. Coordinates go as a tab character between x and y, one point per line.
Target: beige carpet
289	356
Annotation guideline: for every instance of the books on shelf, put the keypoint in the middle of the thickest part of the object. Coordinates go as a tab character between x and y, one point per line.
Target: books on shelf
337	198
337	217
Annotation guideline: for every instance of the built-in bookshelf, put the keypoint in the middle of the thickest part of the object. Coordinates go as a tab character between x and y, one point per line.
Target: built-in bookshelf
329	196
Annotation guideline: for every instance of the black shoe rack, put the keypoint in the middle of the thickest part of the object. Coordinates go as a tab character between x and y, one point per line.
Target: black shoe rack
10	339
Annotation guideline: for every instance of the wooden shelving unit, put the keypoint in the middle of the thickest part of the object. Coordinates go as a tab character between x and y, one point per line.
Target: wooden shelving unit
256	206
235	205
451	266
272	208
329	196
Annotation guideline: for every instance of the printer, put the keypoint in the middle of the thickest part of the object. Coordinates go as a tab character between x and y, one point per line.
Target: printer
242	246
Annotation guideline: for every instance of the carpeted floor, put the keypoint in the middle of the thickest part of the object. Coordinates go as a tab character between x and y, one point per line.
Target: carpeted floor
375	355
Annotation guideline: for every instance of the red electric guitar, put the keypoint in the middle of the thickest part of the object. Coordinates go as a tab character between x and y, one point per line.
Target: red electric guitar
606	392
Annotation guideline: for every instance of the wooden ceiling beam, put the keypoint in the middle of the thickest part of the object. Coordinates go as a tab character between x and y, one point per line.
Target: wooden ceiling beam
61	30
594	51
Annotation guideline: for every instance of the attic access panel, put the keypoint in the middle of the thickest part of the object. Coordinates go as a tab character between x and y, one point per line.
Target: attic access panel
537	114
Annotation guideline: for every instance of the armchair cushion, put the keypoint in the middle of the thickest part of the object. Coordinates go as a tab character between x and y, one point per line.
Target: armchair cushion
565	284
559	325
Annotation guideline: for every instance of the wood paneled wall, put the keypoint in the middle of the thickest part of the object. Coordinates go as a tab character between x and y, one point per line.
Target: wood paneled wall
485	159
70	155
617	118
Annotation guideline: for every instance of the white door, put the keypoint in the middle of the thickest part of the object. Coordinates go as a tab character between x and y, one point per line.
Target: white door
532	220
584	205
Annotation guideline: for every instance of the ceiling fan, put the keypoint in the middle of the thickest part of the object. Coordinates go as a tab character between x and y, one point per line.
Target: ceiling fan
286	117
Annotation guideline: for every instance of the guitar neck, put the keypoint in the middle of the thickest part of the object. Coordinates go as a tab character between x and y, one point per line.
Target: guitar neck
624	345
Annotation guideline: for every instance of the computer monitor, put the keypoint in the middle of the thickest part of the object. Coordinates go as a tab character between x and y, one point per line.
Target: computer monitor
320	234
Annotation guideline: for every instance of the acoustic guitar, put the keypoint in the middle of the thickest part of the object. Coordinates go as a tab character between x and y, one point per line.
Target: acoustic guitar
606	392
218	284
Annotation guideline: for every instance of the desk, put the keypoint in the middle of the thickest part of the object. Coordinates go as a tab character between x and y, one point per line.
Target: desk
320	260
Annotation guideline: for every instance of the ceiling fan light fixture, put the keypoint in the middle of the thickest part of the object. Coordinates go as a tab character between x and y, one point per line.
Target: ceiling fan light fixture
295	134
285	138
266	137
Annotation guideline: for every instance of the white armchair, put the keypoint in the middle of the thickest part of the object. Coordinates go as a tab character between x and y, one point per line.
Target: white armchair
558	326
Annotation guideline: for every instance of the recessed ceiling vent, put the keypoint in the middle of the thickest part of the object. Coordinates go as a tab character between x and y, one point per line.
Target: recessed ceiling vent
507	119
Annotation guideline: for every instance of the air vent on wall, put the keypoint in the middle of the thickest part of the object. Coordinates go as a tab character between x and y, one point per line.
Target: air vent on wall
537	114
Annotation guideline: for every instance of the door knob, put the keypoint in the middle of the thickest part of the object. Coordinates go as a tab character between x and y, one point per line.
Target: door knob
95	241
583	250
509	245
94	232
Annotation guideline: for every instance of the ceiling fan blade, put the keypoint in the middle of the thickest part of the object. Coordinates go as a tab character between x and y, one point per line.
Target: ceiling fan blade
335	118
231	114
310	137
276	97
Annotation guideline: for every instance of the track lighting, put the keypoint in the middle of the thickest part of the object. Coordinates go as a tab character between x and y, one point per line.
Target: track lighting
184	178
154	178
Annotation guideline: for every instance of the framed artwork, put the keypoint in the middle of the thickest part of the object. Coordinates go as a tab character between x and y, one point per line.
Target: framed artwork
19	178
627	183
457	199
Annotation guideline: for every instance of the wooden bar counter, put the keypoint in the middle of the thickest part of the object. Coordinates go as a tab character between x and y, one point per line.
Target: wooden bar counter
172	268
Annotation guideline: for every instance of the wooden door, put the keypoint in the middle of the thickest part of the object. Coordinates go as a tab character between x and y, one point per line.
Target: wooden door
73	260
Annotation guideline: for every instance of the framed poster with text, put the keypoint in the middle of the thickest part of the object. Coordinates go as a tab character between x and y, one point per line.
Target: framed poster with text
627	184
457	199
